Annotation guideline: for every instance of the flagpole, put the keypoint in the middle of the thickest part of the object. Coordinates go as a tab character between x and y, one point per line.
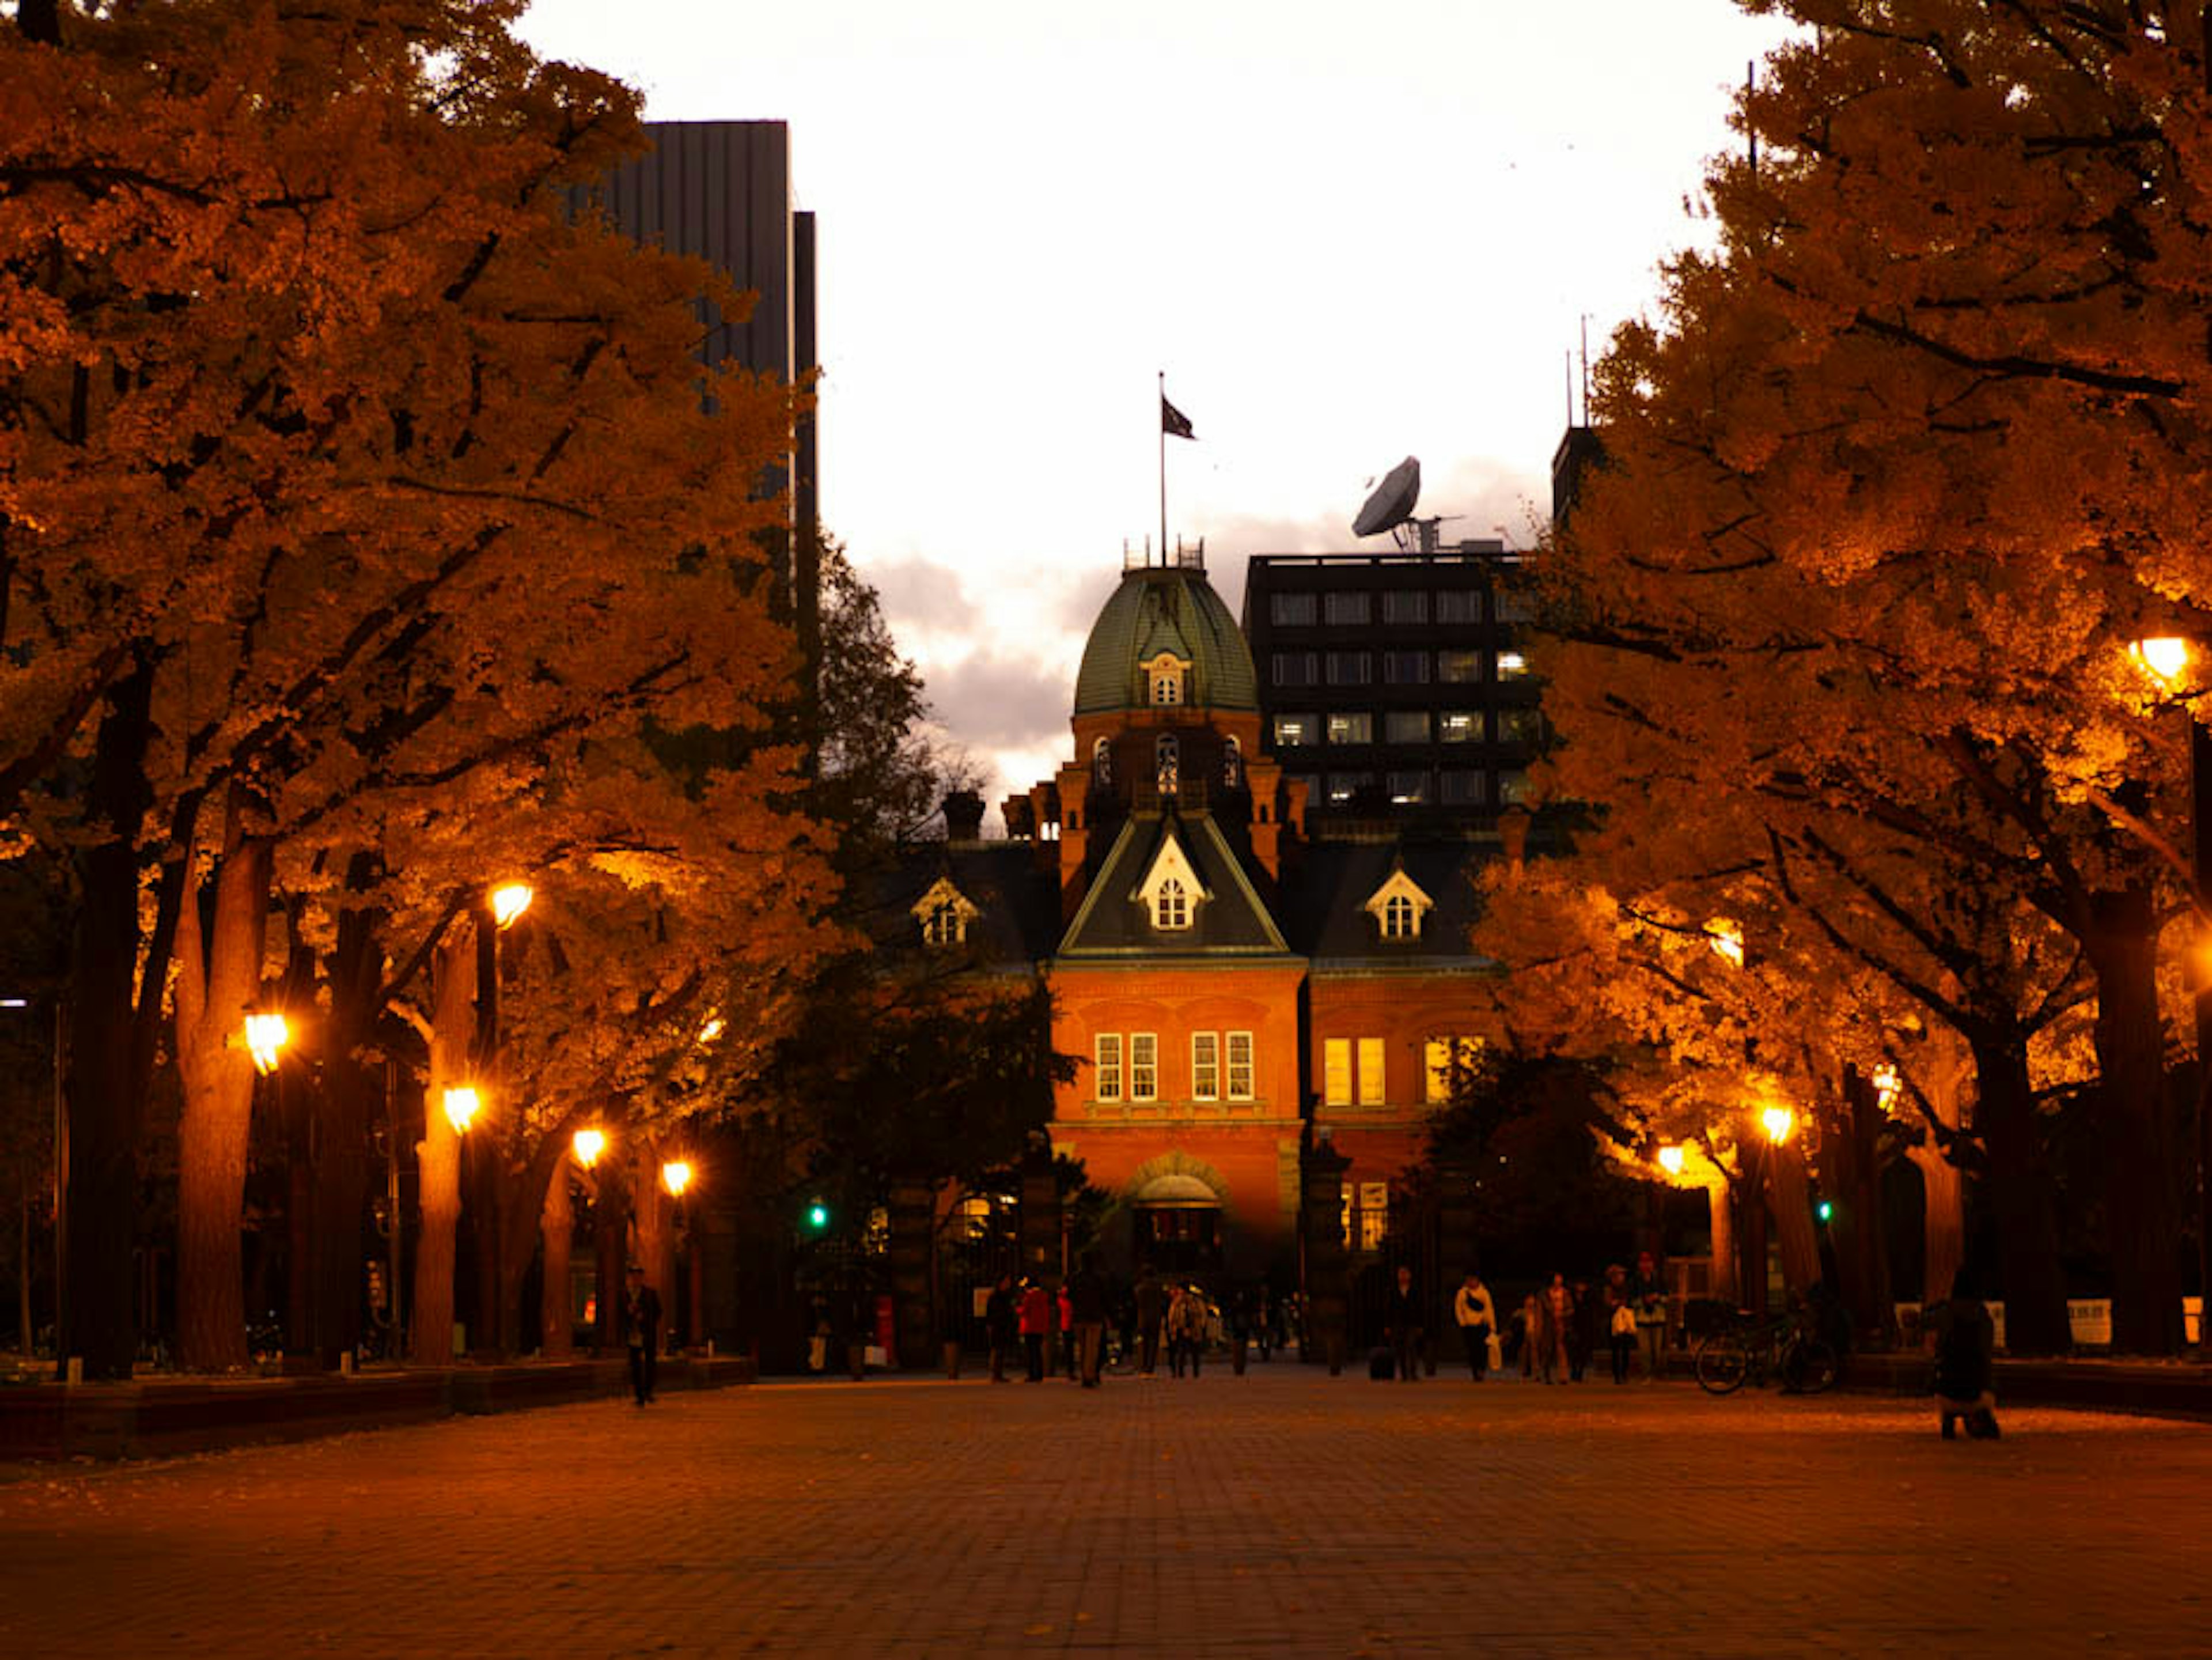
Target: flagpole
1164	467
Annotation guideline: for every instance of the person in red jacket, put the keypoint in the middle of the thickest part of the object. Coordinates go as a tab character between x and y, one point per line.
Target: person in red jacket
1038	1317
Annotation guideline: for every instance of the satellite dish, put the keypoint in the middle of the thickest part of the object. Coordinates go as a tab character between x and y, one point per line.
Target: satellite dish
1392	503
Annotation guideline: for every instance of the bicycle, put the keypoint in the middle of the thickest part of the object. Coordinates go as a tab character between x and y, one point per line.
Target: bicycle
1756	1350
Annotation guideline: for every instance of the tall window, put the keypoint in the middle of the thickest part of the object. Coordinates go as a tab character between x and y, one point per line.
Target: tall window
1374	1215
1107	1052
1170	905
1336	1072
1144	1067
1371	1072
1167	686
1345	609
1445	1056
1205	1066
1240	1066
1401	918
943	926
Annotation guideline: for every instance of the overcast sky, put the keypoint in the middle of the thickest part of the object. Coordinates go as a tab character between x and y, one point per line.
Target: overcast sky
1345	233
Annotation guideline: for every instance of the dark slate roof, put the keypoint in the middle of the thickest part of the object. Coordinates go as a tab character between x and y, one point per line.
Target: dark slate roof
1019	905
1322	900
1232	920
1158	610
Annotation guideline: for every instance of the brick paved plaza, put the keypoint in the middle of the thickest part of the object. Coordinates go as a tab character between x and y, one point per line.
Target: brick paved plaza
1280	1511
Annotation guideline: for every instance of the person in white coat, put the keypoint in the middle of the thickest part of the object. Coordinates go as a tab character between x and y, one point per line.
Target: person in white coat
1477	1319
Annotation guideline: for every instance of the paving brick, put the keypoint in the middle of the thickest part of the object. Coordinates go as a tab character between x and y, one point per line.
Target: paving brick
1282	1512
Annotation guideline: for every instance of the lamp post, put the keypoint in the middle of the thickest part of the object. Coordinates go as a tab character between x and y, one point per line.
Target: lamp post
676	1175
2168	660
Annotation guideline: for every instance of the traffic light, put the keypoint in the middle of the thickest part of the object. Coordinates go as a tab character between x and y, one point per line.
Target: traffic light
818	1216
1825	1210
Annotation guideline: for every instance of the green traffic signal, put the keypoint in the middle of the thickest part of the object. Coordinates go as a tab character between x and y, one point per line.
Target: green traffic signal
1824	1210
818	1216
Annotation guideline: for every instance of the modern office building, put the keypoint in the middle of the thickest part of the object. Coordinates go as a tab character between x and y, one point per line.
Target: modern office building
1393	685
720	191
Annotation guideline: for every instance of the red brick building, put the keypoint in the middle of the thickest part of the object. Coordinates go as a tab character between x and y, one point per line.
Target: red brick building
1233	988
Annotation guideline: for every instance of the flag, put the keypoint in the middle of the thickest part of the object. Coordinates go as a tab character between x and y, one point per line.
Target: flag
1173	421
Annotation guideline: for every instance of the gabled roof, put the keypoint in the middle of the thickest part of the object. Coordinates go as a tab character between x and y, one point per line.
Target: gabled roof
1113	924
1017	905
1326	914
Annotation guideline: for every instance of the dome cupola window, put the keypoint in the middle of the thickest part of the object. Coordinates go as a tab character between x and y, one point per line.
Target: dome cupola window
1167	679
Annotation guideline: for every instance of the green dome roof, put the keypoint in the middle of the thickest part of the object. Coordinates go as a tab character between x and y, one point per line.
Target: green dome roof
1158	610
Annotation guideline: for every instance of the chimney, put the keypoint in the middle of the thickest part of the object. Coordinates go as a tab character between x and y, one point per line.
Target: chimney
963	816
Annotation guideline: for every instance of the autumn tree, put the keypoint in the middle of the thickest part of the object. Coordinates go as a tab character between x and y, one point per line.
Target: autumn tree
346	466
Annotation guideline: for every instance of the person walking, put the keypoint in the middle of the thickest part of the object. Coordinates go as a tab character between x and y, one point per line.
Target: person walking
1555	1325
1403	1323
1001	1326
1528	1334
1036	1324
1064	1314
1586	1335
1472	1313
1966	1348
1263	1322
1649	1293
1151	1299
1086	1305
642	1321
1620	1321
1186	1329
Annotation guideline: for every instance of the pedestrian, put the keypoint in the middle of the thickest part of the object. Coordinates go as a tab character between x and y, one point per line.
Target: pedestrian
1586	1336
1240	1328
1187	1314
1150	1301
1555	1326
1528	1334
1064	1312
1086	1297
1965	1347
1620	1320
1403	1323
1649	1293
1263	1322
1036	1324
1472	1313
642	1321
1002	1326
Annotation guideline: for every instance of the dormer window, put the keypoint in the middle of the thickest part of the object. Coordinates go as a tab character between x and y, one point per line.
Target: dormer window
943	913
1171	892
1167	681
1399	906
1170	906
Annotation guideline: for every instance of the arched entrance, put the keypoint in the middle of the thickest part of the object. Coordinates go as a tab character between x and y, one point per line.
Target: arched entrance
1176	1202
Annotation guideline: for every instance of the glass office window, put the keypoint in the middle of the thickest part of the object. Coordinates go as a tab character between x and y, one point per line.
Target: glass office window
1404	605
1460	726
1409	789
1349	668
1463	787
1297	668
1406	668
1292	610
1519	725
1343	786
1406	725
1297	731
1346	610
1511	665
1459	667
1352	727
1459	605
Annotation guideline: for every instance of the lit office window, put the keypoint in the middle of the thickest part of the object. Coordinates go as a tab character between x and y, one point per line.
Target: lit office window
1343	786
1294	732
1409	789
1511	665
1519	725
1460	726
1352	727
1336	1072
1371	1072
1512	787
1459	667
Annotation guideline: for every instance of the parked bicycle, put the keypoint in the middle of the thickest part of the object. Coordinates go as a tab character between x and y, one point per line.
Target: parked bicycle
1754	1350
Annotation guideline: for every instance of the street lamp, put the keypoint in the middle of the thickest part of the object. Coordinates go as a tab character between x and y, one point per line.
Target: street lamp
265	1037
1726	939
1777	1120
1670	1159
509	902
1888	1086
676	1175
461	1104
587	1146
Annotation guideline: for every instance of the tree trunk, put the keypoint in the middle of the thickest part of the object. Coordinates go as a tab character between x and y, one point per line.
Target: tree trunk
2142	1218
1944	1229
2021	1194
556	1336
216	989
1850	1168
352	1096
526	1198
101	1182
1720	1209
1793	1214
438	1156
655	1249
610	1234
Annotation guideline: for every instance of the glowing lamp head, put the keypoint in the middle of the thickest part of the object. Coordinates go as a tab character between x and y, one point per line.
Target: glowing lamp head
265	1034
1779	1121
712	1028
1887	1086
2166	659
588	1146
510	902
1727	940
1671	1160
461	1104
676	1175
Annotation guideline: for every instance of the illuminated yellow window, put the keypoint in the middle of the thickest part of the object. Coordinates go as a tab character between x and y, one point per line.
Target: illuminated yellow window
1371	1072
1441	1054
1336	1072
